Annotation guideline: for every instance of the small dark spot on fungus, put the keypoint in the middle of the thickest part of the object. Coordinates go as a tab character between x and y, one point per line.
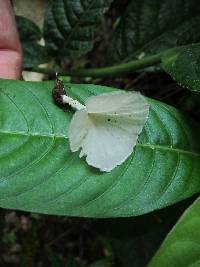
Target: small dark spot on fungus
109	119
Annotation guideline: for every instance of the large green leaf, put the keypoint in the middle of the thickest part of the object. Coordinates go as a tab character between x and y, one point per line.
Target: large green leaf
69	26
181	247
184	66
151	26
38	172
33	53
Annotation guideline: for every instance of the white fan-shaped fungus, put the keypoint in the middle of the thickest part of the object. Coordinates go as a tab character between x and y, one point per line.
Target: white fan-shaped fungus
106	129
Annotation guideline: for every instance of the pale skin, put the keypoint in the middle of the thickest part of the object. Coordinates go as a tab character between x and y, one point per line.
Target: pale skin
10	48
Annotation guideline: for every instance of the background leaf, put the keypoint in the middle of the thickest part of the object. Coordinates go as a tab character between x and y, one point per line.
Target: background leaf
151	26
181	246
184	66
28	30
69	26
34	54
39	172
30	35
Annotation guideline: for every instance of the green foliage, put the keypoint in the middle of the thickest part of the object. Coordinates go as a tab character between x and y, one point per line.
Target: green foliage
39	172
69	26
34	55
181	246
30	35
151	26
28	30
184	66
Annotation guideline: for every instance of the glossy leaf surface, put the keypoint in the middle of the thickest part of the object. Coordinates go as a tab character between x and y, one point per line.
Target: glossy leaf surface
39	173
184	66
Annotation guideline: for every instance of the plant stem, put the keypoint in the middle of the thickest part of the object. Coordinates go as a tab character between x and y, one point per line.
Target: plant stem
120	69
116	70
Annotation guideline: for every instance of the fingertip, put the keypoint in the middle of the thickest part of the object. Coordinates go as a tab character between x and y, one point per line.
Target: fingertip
10	64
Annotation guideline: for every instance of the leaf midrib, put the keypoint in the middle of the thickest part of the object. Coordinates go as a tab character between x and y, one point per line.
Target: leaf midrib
147	145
